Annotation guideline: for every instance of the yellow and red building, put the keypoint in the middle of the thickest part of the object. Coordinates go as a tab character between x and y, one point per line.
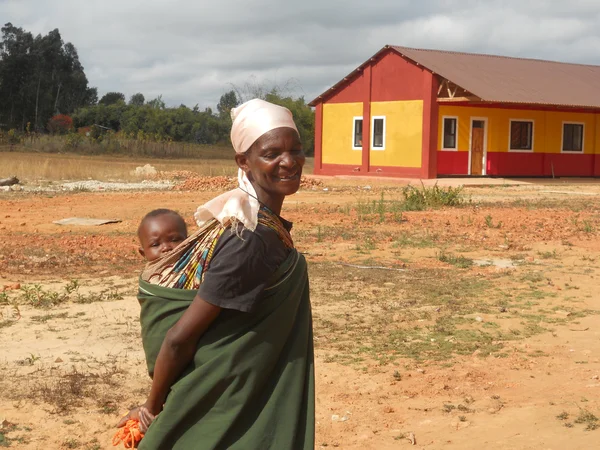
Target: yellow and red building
426	113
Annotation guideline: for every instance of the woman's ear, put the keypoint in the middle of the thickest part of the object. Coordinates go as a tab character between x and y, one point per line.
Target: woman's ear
242	161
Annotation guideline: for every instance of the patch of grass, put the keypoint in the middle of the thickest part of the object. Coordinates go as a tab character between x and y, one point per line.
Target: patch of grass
6	323
38	297
588	419
416	199
71	443
67	392
548	255
416	241
490	223
379	211
45	318
533	277
449	407
458	261
107	295
366	246
108	407
588	227
4	440
427	316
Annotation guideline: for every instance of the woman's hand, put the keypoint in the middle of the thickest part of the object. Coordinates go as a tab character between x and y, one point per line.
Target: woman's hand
146	418
141	414
134	414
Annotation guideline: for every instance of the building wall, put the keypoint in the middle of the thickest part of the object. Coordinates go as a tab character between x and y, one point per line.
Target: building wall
337	133
394	78
354	91
404	134
545	159
388	86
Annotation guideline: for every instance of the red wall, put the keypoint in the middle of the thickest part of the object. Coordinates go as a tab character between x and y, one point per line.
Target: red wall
355	91
522	164
394	79
540	164
453	163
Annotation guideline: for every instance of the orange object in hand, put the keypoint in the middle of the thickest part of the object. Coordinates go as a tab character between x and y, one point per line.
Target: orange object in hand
129	434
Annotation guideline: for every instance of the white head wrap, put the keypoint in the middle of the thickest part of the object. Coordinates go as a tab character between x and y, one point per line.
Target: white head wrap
250	121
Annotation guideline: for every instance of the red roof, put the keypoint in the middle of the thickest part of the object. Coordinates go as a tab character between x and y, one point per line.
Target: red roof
507	80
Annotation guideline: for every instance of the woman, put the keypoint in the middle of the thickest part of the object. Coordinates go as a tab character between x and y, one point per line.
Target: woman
226	319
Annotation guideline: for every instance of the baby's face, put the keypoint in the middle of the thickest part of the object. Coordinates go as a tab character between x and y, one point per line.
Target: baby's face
159	235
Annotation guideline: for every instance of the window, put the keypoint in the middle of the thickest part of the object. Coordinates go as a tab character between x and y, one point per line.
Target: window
378	133
521	135
450	133
357	131
572	137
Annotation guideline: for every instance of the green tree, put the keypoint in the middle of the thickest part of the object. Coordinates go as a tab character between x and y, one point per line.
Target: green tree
110	98
227	102
39	77
137	99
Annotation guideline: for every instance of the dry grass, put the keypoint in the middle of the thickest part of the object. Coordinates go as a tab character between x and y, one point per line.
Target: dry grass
57	167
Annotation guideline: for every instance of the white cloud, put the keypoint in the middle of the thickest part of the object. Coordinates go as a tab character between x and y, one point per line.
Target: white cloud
191	51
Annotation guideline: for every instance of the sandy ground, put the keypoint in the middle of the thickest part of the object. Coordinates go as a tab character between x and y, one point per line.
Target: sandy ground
68	371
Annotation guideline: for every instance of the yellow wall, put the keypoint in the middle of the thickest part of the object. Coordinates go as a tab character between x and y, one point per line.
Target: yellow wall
403	136
547	127
337	133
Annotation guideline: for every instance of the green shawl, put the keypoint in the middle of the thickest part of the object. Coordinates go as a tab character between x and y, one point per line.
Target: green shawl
251	383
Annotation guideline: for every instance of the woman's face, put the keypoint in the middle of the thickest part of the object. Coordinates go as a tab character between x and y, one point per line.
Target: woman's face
274	165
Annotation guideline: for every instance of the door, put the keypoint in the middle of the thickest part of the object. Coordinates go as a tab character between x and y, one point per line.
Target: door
477	142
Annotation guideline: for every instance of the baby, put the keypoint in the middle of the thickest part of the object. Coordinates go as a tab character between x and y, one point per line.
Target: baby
160	231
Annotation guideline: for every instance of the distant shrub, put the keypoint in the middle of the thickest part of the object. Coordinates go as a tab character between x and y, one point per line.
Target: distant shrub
416	199
60	124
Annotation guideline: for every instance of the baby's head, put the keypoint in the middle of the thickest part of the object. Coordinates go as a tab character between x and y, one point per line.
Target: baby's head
160	231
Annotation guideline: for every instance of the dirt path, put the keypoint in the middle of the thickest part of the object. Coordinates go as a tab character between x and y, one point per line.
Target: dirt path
462	358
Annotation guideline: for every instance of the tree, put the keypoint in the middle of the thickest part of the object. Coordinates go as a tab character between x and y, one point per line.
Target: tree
39	77
157	103
227	102
110	98
137	99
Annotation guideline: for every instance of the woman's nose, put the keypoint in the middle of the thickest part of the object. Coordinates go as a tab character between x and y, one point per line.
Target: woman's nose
287	160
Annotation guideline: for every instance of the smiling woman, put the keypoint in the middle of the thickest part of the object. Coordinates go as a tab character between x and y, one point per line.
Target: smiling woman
226	317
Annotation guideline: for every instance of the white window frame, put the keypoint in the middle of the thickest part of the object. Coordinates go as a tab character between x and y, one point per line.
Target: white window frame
562	138
444	148
520	150
373	118
354	119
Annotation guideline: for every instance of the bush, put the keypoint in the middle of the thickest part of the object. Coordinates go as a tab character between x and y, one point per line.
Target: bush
60	124
416	199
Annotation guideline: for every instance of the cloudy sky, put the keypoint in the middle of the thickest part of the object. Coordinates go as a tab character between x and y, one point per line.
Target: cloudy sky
192	51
